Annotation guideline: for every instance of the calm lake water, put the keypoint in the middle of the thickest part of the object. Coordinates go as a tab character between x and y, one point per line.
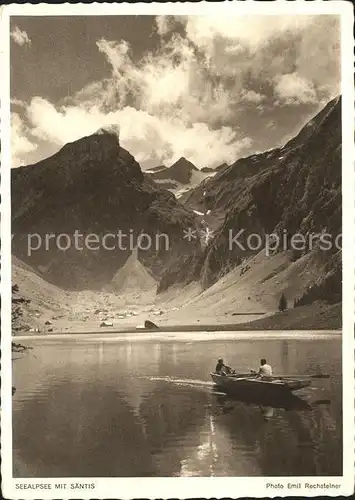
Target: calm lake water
106	405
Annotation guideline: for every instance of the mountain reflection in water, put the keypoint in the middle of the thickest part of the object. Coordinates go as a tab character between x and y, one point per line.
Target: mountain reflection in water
133	408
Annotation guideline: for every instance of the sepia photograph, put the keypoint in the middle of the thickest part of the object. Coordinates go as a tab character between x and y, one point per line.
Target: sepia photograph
177	223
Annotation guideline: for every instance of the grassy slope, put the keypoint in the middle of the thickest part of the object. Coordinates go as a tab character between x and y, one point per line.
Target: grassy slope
256	290
316	316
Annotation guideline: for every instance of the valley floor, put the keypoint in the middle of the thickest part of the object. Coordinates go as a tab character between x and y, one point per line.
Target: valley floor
86	310
234	303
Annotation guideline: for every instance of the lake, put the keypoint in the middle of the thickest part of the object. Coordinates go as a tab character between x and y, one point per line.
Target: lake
144	405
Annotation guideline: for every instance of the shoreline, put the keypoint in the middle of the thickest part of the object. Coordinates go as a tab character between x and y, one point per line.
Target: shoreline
161	333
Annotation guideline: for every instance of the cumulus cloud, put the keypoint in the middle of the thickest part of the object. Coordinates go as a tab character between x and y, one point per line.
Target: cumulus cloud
166	24
294	90
194	95
20	37
243	31
151	138
318	57
20	141
253	97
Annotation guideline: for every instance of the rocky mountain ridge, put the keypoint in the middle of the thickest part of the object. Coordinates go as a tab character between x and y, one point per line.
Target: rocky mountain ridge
95	187
292	189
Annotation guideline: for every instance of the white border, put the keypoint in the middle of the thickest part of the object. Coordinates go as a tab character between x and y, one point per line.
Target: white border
127	488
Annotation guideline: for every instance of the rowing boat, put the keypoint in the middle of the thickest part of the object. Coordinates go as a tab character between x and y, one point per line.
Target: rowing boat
276	386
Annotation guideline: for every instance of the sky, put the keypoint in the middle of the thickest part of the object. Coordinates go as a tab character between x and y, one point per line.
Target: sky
211	89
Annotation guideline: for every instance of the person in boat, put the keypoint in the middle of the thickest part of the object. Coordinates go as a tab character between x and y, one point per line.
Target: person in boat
265	370
222	369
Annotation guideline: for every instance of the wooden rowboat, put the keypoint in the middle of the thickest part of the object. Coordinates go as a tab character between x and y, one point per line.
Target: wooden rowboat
277	386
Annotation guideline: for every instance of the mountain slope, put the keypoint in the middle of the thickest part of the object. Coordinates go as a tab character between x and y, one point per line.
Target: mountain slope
93	187
288	190
36	299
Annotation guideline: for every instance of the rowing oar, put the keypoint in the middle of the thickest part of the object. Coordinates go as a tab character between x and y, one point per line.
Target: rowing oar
296	375
315	375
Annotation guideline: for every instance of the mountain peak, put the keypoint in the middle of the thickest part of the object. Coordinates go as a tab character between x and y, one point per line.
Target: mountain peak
98	144
112	129
181	170
184	163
